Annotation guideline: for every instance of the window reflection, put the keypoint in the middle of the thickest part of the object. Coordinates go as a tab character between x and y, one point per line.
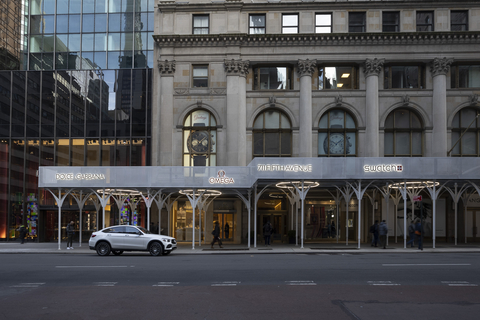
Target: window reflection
466	122
403	134
337	78
272	78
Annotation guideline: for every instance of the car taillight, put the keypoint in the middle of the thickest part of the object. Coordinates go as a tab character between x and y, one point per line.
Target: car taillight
94	235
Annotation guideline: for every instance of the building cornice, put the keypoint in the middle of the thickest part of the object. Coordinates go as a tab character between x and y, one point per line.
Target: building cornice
315	39
273	5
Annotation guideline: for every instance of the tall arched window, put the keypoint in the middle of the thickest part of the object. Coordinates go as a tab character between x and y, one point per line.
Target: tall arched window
403	134
272	135
337	134
199	139
468	145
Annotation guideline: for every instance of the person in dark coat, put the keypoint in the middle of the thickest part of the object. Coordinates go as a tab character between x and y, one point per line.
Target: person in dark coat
383	231
23	233
227	231
70	233
267	232
374	232
216	235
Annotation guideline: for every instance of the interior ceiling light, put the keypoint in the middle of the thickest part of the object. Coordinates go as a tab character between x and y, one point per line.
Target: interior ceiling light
345	75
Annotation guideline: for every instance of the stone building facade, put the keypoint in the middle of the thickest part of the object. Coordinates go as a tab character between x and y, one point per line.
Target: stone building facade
268	75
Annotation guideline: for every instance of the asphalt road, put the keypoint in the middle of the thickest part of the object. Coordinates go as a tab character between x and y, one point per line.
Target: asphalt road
286	286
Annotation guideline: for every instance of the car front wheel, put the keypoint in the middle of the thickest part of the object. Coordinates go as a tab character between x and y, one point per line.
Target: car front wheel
103	249
156	249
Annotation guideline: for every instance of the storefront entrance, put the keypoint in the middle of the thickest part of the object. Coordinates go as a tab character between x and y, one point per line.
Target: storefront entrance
473	222
279	223
227	225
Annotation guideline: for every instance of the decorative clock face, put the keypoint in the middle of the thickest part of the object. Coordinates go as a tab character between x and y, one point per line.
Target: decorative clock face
198	142
337	144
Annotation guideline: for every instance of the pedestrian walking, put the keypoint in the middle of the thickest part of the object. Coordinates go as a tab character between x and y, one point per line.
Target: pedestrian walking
382	232
411	233
216	235
418	234
374	232
23	233
267	232
70	233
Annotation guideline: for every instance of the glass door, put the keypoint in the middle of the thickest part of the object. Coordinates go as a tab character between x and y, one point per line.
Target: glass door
227	225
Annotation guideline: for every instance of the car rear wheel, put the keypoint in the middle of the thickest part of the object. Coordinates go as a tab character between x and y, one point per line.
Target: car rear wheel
103	249
117	252
156	249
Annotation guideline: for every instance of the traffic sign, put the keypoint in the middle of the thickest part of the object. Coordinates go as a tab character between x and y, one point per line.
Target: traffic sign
417	198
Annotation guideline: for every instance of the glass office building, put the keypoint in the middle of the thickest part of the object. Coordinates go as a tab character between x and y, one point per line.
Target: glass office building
82	97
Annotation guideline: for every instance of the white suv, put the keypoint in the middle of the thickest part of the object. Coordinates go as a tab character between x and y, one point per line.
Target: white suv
117	239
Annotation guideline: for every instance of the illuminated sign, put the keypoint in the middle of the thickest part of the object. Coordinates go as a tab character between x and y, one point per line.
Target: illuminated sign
80	176
221	178
383	168
285	168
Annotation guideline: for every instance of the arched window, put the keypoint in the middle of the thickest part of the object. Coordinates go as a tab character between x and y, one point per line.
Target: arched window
272	135
199	139
403	134
467	146
337	134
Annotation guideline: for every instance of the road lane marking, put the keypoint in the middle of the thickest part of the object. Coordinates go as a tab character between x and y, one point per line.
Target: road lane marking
63	267
459	284
28	285
105	284
300	283
383	283
225	284
423	264
165	284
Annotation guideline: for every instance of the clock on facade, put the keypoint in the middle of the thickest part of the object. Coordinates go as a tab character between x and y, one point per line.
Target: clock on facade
198	142
338	145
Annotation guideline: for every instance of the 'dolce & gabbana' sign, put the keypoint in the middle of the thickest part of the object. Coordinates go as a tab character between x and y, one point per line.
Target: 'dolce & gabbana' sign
79	176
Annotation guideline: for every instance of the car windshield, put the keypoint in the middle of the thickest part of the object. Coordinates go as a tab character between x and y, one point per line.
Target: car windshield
144	230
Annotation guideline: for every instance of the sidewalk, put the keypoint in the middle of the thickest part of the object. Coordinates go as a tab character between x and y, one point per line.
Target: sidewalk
309	248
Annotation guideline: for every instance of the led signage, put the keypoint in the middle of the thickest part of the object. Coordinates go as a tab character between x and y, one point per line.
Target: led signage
286	168
221	178
80	176
383	168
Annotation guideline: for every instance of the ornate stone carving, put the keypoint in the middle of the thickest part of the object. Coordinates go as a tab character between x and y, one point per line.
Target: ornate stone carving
440	66
166	67
181	90
406	99
473	99
236	67
338	100
272	100
373	67
306	67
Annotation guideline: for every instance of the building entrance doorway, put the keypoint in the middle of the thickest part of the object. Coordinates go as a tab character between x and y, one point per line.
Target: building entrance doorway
473	222
279	223
227	225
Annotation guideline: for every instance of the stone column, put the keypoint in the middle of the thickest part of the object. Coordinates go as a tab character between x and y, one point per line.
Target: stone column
439	69
372	69
236	151
162	117
305	69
